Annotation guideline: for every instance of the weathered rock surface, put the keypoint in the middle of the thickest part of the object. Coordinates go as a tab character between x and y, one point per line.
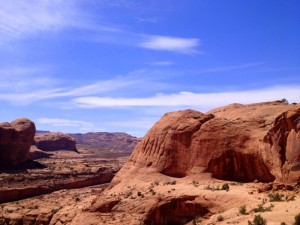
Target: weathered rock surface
236	142
54	141
15	141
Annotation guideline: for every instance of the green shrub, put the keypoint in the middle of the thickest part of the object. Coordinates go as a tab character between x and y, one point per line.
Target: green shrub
258	220
243	210
276	197
261	208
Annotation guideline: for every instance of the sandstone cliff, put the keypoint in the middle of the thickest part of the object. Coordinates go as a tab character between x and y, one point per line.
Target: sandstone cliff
15	141
236	142
54	141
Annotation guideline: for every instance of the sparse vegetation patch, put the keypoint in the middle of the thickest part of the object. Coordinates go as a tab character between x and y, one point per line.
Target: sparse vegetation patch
217	188
261	208
258	220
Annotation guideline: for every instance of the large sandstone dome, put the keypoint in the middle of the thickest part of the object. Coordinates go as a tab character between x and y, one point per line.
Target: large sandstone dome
236	142
15	141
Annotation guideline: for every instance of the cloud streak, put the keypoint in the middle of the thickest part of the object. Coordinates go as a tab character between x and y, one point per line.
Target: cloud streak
189	99
174	44
64	122
21	19
229	68
21	86
161	63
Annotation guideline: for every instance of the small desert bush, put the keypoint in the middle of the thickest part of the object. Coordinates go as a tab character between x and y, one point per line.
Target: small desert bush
243	210
297	219
140	194
152	191
258	220
195	183
276	197
290	198
220	218
171	182
225	187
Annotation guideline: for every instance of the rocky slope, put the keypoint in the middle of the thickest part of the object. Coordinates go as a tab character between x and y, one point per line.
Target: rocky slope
15	141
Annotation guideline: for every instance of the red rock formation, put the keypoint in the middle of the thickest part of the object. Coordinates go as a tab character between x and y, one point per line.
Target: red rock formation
54	141
15	141
106	140
236	142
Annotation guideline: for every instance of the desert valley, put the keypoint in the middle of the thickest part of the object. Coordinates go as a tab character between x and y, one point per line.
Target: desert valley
237	164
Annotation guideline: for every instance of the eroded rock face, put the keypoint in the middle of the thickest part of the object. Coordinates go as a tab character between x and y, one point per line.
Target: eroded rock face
236	142
176	211
283	140
15	141
54	141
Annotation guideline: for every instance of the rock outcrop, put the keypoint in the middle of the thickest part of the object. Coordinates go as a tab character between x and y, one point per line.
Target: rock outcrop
54	141
15	141
236	142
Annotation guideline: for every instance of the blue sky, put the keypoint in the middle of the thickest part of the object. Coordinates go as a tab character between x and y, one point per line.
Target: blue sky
118	65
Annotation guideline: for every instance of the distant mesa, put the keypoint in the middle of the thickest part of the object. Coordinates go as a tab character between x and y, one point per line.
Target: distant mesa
15	141
41	131
54	141
237	142
106	143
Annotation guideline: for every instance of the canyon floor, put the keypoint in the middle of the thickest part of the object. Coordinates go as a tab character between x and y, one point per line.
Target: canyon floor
158	199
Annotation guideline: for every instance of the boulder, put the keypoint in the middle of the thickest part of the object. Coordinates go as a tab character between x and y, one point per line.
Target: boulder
237	142
53	141
15	141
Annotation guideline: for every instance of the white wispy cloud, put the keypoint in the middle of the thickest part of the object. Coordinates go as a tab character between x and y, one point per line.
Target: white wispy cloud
148	20
23	78
25	85
19	18
189	99
174	44
228	68
161	63
66	123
